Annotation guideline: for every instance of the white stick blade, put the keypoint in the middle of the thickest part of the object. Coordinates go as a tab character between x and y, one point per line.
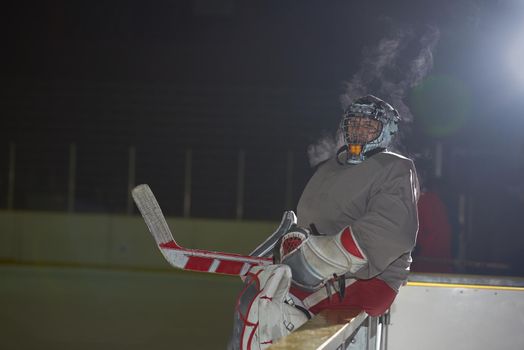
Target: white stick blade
150	209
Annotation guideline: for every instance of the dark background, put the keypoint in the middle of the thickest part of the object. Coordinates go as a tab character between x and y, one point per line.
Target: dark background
264	77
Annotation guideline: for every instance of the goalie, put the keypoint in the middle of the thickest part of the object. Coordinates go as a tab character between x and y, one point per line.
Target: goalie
351	246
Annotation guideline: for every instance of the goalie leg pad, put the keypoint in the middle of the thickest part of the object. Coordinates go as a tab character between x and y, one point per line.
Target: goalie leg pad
261	315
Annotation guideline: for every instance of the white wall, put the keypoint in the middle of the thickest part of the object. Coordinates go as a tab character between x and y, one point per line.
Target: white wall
462	318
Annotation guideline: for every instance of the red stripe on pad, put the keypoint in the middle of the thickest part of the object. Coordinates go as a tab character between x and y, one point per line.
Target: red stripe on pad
196	263
230	267
349	243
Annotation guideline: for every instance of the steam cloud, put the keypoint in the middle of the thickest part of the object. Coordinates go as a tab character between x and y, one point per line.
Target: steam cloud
388	70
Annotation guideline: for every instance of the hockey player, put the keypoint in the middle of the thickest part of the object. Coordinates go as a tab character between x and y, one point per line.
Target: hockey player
357	225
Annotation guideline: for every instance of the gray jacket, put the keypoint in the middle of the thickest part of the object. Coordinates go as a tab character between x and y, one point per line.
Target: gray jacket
378	199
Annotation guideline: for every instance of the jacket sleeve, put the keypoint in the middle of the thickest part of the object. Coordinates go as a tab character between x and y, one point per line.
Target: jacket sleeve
389	227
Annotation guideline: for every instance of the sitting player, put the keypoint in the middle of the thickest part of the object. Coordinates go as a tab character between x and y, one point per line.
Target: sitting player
351	247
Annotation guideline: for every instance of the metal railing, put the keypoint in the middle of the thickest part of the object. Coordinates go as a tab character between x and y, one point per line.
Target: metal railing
207	150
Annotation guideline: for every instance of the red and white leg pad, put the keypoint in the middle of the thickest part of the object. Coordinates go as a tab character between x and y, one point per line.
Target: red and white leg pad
261	315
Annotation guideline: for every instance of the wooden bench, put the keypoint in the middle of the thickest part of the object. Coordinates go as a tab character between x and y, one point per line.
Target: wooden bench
330	329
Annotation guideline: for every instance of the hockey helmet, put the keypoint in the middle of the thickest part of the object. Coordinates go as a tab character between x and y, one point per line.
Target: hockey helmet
368	126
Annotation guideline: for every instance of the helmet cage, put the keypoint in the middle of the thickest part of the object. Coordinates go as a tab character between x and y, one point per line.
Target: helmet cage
361	129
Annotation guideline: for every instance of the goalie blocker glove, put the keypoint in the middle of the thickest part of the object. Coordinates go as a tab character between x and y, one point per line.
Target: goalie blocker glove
316	259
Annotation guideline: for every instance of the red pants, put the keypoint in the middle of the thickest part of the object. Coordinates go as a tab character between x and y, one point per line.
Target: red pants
373	296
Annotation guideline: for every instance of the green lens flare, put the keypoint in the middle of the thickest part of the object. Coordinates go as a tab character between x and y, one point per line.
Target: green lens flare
441	104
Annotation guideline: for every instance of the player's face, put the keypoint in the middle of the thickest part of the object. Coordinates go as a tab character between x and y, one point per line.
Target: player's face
363	130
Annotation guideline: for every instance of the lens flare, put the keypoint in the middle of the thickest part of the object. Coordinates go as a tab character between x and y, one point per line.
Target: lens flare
442	105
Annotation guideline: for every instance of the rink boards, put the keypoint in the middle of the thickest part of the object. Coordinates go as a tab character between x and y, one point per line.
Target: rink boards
98	281
435	312
458	312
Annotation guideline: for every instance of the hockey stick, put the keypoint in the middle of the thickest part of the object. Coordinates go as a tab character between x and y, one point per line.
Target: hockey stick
265	248
188	259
